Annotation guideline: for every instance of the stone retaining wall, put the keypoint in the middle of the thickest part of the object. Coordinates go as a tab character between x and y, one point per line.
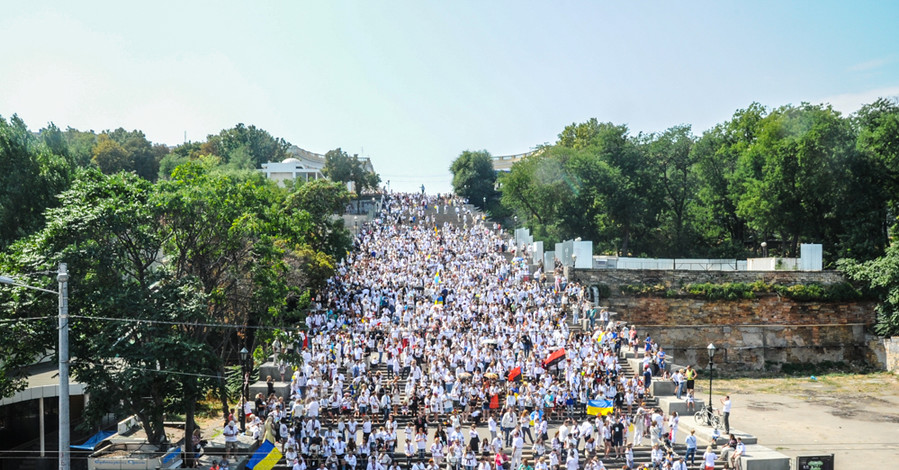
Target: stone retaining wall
757	333
891	352
618	277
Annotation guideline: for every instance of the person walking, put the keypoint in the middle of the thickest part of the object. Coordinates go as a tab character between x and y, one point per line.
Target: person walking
690	442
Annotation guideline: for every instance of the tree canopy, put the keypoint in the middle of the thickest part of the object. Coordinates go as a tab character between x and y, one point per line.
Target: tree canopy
474	178
340	166
783	176
158	265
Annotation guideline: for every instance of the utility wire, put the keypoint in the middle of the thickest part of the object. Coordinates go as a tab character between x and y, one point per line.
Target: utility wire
183	323
146	369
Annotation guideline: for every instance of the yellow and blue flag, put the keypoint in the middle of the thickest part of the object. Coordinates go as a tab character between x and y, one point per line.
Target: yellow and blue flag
599	407
265	457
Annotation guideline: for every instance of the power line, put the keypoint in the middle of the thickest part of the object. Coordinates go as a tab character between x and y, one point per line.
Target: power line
183	323
147	369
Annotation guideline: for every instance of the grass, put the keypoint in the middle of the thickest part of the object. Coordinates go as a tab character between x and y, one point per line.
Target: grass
834	384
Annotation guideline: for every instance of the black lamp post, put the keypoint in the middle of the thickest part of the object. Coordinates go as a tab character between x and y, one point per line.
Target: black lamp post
711	350
243	389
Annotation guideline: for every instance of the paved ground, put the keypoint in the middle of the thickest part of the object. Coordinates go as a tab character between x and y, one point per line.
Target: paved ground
855	417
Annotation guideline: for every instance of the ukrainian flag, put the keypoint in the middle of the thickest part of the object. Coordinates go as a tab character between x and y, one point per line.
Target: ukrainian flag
599	407
266	456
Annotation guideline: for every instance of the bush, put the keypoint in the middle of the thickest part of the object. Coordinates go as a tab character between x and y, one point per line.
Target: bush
843	292
728	291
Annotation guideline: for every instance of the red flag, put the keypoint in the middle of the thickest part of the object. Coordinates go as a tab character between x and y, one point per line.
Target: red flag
555	357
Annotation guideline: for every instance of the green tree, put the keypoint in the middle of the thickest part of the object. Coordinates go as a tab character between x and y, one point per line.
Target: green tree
141	152
202	248
31	175
474	178
80	144
671	152
310	211
791	174
339	166
248	146
881	275
110	157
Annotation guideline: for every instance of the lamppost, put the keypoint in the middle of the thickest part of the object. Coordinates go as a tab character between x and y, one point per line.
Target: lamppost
764	249
711	350
243	388
62	276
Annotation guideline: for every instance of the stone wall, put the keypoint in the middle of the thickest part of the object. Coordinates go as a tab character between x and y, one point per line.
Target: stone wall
763	332
891	350
618	277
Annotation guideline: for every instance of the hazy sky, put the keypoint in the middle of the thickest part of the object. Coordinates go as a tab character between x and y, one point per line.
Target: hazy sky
415	83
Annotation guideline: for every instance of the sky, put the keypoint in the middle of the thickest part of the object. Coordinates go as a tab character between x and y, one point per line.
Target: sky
412	84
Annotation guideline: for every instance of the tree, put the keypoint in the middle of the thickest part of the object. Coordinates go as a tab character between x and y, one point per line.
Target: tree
474	178
110	157
671	152
143	155
791	173
627	208
717	152
310	211
881	275
158	266
339	166
31	174
248	146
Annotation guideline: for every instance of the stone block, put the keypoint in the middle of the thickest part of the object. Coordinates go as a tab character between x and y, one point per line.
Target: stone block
661	388
669	404
762	458
281	389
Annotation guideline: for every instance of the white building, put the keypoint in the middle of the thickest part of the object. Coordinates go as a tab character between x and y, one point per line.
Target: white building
303	165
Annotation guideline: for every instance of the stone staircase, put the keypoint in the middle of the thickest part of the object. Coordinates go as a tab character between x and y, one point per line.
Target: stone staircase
629	363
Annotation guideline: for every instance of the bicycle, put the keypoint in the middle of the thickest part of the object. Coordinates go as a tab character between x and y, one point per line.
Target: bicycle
706	416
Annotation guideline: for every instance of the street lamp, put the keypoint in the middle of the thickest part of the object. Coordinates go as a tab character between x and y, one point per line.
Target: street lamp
764	249
711	350
243	389
62	276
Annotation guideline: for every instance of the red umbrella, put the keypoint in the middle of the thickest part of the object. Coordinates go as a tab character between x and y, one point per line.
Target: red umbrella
514	374
553	358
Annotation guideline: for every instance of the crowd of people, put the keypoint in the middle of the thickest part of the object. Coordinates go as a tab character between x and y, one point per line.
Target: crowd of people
429	349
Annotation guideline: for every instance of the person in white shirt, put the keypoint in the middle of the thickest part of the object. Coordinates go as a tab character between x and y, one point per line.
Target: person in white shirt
517	448
726	411
708	458
736	464
230	432
572	462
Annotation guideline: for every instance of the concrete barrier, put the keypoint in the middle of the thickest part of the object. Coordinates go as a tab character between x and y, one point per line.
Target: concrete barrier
762	458
669	404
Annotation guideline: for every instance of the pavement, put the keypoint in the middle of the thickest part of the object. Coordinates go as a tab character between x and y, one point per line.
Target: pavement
858	429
